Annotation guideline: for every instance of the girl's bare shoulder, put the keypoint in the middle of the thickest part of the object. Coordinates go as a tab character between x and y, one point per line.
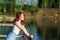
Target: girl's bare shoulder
16	22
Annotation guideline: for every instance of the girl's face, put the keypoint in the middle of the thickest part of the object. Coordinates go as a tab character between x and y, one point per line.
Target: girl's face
22	16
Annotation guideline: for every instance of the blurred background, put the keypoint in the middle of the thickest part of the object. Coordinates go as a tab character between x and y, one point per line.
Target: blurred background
42	18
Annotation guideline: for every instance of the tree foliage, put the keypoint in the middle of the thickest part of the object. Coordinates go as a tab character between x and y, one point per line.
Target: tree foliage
15	5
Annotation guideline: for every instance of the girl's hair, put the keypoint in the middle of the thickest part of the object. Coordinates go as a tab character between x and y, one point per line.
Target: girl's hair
18	17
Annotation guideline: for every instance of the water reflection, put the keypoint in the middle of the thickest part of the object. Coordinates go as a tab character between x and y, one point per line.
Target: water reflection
46	34
36	33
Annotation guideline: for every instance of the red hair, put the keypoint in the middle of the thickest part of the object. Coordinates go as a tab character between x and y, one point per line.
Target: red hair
18	17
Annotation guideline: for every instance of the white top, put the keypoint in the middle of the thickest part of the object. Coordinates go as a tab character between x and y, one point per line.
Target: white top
16	30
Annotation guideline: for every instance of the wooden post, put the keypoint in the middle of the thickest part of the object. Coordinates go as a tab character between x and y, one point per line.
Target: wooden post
26	38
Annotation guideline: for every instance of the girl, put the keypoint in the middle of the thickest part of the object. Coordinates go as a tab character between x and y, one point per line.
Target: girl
18	25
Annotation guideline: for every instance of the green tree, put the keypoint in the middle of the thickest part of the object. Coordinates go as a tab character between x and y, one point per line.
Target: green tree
44	3
19	4
3	5
59	3
10	6
34	6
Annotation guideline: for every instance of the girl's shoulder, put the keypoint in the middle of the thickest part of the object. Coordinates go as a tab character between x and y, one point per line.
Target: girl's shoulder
15	22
